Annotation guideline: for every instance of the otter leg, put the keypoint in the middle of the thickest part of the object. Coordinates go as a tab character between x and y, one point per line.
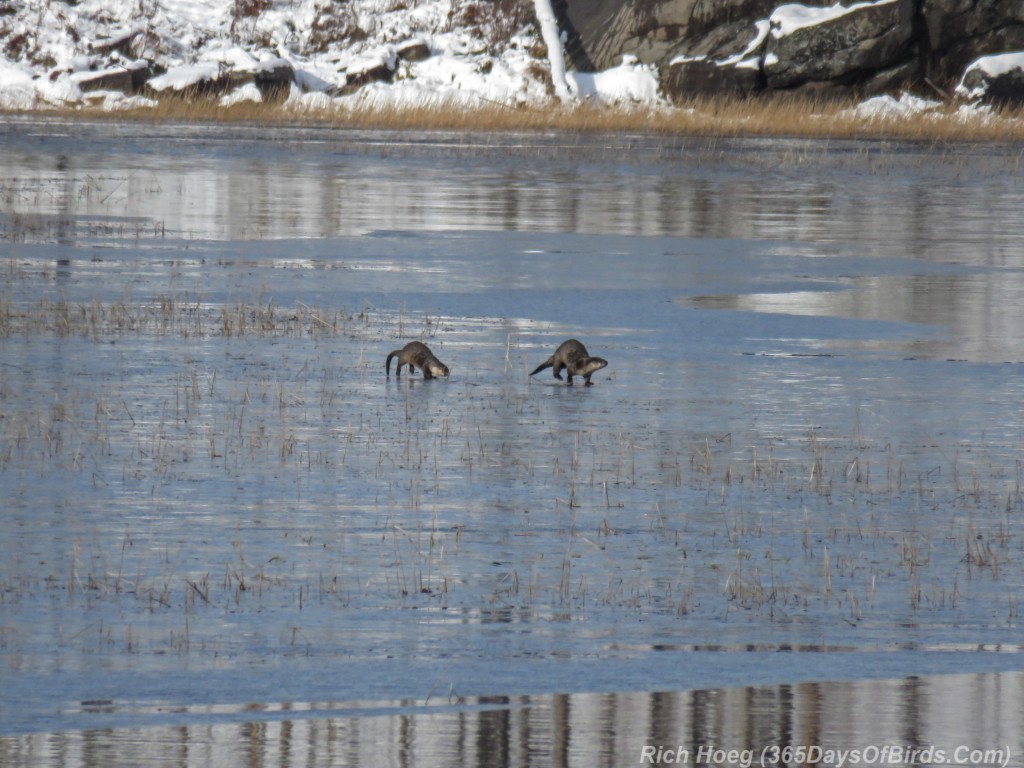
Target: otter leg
556	369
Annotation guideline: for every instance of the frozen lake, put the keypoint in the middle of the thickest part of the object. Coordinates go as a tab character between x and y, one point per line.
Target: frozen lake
788	512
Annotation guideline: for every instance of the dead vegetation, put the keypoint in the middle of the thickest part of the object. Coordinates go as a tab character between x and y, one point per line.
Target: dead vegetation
781	117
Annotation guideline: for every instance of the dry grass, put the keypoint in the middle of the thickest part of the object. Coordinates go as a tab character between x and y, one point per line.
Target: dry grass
777	116
186	316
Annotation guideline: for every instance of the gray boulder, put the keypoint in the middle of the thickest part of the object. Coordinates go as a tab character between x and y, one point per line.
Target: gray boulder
836	46
380	66
705	77
124	44
190	83
274	79
959	32
209	81
364	73
413	50
725	62
868	48
996	80
906	76
128	79
655	31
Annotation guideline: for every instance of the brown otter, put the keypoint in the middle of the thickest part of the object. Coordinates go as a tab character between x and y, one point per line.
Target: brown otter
572	356
416	354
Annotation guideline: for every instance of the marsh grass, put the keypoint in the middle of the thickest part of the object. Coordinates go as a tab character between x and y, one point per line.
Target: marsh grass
426	507
184	315
776	116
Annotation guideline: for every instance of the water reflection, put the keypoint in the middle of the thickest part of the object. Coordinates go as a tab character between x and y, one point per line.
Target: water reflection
980	311
946	226
243	184
961	719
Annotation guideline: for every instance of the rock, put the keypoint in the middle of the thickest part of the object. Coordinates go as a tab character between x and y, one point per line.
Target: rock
655	31
685	79
863	48
902	78
413	50
121	44
377	66
209	80
128	79
731	66
838	44
274	78
107	80
727	41
960	31
996	80
191	82
356	80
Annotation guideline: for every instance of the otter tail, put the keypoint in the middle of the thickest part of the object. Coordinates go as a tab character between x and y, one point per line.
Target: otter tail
546	364
387	363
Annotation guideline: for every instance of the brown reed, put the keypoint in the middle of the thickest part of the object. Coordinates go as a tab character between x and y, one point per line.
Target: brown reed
776	115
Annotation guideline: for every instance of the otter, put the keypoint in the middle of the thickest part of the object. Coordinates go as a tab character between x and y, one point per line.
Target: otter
416	354
572	356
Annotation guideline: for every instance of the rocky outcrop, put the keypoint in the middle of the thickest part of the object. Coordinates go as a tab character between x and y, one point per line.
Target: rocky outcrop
655	30
998	80
959	48
830	45
375	67
128	79
958	32
716	73
743	47
272	78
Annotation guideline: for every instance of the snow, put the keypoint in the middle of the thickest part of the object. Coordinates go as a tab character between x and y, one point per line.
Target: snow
747	58
180	78
19	91
891	108
787	19
471	62
325	44
992	67
629	83
248	92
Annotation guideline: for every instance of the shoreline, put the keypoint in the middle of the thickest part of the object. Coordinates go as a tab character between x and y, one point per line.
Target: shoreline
796	118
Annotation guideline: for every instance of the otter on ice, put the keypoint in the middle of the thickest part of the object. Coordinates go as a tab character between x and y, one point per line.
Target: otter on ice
572	356
416	354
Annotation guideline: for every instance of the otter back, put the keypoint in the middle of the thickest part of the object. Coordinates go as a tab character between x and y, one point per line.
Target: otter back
573	357
416	354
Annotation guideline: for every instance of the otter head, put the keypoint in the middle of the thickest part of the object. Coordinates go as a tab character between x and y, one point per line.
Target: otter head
588	365
437	368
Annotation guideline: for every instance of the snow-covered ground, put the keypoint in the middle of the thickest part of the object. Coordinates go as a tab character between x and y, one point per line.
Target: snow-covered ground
506	52
495	54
